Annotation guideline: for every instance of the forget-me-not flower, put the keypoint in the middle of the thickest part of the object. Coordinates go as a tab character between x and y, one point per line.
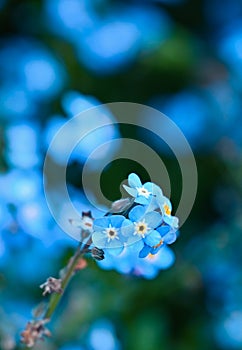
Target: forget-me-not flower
164	235
166	208
142	225
143	194
107	233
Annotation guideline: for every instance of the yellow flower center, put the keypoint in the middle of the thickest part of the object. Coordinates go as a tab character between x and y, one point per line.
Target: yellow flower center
159	244
167	209
151	256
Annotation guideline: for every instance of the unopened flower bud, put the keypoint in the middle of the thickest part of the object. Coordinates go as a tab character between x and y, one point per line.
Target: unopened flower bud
52	285
35	330
97	254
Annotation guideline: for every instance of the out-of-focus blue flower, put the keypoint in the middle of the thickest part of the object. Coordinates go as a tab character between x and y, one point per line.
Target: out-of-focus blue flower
14	240
52	127
15	313
154	26
190	111
74	102
19	186
227	102
36	71
27	262
230	50
93	130
5	216
107	234
228	330
100	50
149	267
139	29
23	145
102	336
129	263
40	75
70	18
143	194
15	102
35	219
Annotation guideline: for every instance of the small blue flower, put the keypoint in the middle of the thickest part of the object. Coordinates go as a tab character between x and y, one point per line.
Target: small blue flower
129	263
164	235
107	233
150	266
166	208
141	226
143	194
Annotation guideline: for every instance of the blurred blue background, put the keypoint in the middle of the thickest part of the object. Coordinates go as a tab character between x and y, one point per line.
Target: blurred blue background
182	57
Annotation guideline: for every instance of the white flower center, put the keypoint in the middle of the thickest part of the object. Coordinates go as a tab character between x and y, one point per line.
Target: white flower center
143	192
141	228
111	233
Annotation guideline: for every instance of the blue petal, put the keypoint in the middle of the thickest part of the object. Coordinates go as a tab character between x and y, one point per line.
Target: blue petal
101	223
135	247
144	252
151	187
115	243
166	258
152	204
154	251
107	263
162	201
150	272
137	213
170	238
127	228
132	191
115	251
163	230
134	180
99	240
116	220
133	240
141	200
157	191
173	221
153	238
153	219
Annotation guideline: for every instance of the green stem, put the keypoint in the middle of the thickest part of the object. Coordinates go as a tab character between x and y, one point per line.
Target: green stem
55	298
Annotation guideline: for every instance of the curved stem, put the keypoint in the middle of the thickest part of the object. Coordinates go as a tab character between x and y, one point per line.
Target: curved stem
55	298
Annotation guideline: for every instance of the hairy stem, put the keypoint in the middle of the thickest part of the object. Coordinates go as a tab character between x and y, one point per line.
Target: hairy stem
55	298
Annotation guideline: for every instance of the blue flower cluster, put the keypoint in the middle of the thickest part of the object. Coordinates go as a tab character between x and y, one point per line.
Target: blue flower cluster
135	239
